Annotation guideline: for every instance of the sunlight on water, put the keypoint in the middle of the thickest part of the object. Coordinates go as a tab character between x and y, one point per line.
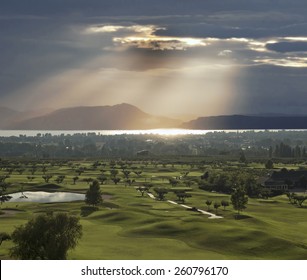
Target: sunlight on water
172	132
162	131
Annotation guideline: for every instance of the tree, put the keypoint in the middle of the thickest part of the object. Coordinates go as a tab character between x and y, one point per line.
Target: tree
3	178
205	176
224	203
129	182
47	178
4	237
184	173
188	183
46	237
269	164
270	152
113	172
216	206
251	187
161	192
88	180
3	196
126	173
173	182
44	169
30	178
299	199
79	171
60	179
75	179
239	199
142	189
93	194
182	195
208	202
145	188
115	180
102	178
242	157
20	170
138	173
33	170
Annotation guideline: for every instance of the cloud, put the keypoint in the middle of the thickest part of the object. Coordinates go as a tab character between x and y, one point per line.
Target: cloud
225	53
198	53
285	47
298	62
144	37
159	43
271	88
255	51
142	29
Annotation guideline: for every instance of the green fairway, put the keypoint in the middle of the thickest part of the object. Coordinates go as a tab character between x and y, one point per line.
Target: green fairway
130	226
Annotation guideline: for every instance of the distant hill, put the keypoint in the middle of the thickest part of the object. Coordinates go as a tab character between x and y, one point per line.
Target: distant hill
247	122
9	117
122	116
6	115
126	117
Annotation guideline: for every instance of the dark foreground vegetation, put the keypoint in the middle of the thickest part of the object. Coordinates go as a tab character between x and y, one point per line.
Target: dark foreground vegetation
133	206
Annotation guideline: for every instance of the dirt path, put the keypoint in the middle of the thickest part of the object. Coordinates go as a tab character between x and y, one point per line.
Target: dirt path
212	216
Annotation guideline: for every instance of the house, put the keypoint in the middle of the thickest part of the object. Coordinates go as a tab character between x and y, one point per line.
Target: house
287	180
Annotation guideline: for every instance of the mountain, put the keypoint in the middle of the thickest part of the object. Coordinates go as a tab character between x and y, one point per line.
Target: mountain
6	115
248	122
122	116
126	117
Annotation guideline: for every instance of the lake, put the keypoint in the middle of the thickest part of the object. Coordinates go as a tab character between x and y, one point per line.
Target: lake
167	131
45	197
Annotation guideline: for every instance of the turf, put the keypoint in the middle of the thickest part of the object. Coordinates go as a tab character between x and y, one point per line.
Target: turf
129	226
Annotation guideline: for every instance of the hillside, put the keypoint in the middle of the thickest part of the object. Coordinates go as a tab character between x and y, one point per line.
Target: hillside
127	117
6	115
247	122
122	116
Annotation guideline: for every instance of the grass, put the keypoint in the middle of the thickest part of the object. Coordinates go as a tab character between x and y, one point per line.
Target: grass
129	226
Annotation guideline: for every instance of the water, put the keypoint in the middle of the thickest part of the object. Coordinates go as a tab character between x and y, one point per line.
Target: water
174	131
169	131
45	197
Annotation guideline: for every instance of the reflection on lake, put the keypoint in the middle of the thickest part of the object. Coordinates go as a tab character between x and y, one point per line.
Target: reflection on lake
168	131
45	197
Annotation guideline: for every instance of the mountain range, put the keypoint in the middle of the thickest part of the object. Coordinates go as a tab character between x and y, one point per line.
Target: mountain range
127	117
123	116
248	122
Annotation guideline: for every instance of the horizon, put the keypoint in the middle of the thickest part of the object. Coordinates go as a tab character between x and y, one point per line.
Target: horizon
46	111
176	59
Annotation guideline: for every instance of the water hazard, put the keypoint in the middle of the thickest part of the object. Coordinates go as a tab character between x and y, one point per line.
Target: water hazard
45	197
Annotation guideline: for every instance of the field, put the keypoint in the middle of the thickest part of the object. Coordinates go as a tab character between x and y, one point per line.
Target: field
130	226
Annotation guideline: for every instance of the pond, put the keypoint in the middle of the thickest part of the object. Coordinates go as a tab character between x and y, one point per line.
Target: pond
45	197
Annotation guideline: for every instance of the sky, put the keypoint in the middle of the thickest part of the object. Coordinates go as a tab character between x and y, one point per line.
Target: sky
176	58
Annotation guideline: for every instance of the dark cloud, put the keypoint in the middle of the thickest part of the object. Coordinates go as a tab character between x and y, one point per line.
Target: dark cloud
43	38
141	7
269	88
285	47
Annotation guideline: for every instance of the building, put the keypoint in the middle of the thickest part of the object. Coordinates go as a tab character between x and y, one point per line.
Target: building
287	180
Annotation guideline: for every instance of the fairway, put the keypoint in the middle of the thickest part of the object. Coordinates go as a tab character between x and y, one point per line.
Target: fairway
128	225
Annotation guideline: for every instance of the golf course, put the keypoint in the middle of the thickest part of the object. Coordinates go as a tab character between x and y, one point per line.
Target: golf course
133	223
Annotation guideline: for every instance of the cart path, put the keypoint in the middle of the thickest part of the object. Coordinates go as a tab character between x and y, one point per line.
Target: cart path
212	216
